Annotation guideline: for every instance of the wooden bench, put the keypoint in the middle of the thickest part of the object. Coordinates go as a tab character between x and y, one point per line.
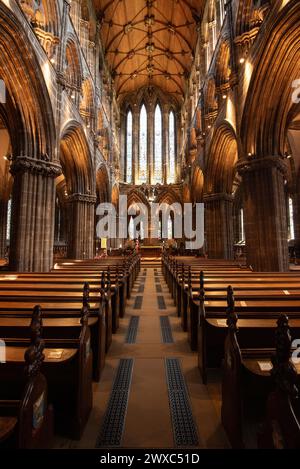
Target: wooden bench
249	377
26	419
68	370
63	320
256	327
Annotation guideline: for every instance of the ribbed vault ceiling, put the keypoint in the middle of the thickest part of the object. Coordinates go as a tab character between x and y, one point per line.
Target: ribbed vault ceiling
149	42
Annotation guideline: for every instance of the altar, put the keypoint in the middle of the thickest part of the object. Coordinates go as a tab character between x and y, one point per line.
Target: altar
151	251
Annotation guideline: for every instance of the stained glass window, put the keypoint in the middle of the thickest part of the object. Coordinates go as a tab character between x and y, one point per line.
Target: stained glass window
142	230
159	234
131	230
291	219
8	222
170	227
172	149
242	225
157	145
129	147
143	146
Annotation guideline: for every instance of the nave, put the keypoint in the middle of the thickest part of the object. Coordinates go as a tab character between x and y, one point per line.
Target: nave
148	420
186	352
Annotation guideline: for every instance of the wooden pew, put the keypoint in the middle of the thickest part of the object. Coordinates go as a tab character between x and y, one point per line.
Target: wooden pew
59	292
281	427
64	324
260	298
68	370
248	380
26	419
255	328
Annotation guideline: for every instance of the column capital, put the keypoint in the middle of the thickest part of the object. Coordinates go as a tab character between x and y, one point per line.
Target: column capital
220	196
256	164
87	198
23	164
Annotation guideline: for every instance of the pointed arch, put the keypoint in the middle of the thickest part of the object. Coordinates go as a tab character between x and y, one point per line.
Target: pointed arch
87	105
102	185
172	148
197	185
73	66
28	113
76	160
143	145
275	60
222	158
158	144
129	146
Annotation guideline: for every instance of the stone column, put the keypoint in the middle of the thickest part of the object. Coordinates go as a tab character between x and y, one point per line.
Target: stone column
33	213
82	226
219	225
265	213
3	225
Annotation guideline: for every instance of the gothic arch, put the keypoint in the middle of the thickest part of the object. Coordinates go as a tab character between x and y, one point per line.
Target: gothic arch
168	196
28	112
186	194
87	105
211	104
73	66
265	114
76	160
197	185
44	16
222	157
102	185
136	196
115	194
223	70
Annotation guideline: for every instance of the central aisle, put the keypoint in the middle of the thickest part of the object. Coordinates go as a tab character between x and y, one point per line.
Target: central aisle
148	421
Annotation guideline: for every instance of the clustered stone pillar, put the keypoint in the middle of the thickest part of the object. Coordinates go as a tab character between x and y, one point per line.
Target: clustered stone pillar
33	207
3	225
219	225
265	213
82	226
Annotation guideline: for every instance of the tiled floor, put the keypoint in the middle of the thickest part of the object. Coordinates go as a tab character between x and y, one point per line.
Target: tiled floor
148	420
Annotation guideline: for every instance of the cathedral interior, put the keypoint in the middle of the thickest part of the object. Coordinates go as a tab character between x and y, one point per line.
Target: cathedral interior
130	339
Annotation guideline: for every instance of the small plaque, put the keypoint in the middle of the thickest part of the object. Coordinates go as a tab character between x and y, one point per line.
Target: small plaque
38	411
244	304
221	322
265	366
55	354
